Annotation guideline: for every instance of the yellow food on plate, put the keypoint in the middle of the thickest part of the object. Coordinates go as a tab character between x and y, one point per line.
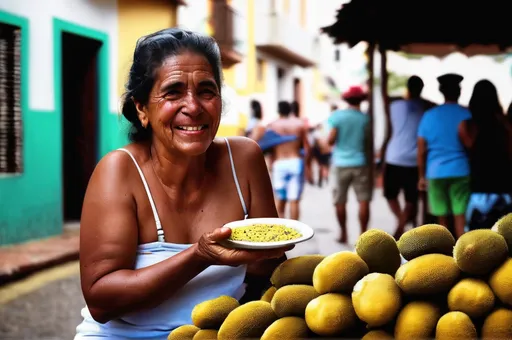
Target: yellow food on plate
264	233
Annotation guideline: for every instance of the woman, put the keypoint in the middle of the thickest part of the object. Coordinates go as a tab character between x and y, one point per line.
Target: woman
488	138
151	217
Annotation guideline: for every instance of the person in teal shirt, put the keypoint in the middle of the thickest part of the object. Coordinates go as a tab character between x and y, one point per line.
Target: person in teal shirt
350	135
442	158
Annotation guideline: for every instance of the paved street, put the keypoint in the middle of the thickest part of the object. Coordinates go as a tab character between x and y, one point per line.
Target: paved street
53	311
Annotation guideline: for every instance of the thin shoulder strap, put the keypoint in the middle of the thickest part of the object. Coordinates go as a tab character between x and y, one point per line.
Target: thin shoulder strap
236	179
159	230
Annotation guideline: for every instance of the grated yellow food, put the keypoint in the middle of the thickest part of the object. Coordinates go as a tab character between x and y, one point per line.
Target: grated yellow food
264	233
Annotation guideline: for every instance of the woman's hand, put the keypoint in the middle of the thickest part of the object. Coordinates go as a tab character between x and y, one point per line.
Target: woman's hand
213	253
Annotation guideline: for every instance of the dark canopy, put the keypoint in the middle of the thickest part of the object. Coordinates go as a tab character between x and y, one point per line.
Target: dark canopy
426	26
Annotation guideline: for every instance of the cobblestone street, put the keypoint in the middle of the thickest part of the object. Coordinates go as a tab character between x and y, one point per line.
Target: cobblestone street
53	311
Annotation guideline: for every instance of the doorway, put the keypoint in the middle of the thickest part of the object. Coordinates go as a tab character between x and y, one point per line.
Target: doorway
80	128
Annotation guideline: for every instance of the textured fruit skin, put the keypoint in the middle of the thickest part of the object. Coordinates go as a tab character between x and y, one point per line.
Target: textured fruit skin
471	296
339	272
185	332
206	334
504	227
417	320
427	274
498	325
269	294
501	282
376	299
455	326
297	270
426	239
377	335
478	252
290	327
249	320
292	300
379	250
211	314
330	314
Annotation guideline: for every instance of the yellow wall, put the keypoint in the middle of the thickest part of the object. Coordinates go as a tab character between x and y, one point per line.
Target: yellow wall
135	19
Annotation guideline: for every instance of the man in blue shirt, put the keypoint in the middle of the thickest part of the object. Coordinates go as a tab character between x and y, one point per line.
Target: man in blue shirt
442	159
349	132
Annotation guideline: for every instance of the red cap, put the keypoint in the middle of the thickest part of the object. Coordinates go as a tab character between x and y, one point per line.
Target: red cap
354	92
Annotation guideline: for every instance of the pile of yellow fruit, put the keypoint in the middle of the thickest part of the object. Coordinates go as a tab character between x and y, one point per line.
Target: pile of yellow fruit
445	290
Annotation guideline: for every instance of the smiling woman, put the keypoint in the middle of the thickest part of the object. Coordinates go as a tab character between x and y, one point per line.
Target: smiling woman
151	221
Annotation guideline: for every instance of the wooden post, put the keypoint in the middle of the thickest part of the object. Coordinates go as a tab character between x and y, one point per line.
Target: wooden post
371	104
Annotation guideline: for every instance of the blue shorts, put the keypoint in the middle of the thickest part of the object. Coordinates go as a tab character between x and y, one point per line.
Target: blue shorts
484	209
288	178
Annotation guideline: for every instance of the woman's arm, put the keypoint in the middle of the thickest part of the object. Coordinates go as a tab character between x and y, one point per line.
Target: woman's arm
467	134
108	244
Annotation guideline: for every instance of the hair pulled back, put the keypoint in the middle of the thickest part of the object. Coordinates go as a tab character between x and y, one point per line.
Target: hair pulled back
150	53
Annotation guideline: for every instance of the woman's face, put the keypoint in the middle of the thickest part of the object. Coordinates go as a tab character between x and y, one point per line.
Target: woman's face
184	106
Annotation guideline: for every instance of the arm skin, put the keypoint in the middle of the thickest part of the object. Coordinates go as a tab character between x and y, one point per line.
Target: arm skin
422	158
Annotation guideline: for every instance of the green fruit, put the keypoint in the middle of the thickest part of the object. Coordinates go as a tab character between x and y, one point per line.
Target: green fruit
455	326
478	252
379	250
206	334
471	296
339	272
427	274
185	332
377	335
250	320
292	300
330	314
211	314
269	294
417	320
426	239
372	288
290	327
504	227
297	270
501	282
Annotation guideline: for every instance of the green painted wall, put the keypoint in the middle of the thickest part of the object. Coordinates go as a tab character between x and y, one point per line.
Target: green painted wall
31	203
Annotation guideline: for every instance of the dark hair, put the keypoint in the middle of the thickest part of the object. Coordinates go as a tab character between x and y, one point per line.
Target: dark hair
450	91
415	86
256	109
284	108
295	108
484	104
355	100
150	52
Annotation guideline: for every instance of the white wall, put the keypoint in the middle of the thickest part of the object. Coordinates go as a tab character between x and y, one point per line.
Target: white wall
93	14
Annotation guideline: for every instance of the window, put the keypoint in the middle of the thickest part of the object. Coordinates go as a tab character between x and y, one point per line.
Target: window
259	69
10	100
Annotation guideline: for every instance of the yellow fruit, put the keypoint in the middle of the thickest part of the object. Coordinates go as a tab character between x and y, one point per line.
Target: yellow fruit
249	320
269	294
210	314
297	270
339	272
292	300
478	252
330	314
455	326
498	325
290	327
504	227
427	274
417	320
376	299
471	296
185	332
501	282
206	334
377	335
379	250
426	239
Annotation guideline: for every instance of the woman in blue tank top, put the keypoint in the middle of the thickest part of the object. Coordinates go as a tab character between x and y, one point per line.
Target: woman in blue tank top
152	214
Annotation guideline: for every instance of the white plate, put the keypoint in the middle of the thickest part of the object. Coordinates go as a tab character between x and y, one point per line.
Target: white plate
306	231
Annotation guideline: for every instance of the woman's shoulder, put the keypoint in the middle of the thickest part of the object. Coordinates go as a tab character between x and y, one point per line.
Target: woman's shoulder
118	163
244	150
